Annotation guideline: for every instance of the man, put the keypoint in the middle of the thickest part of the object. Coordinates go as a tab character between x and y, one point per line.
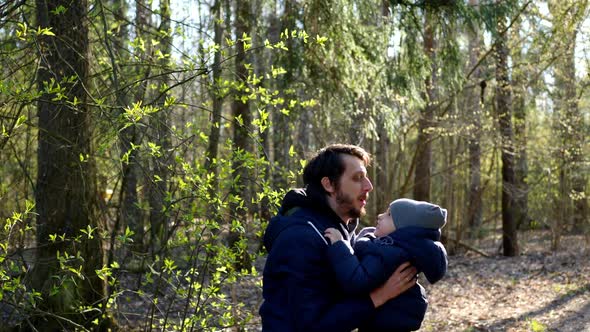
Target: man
299	286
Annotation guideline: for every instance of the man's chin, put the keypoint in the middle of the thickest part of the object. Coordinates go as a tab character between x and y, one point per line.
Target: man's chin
355	213
362	211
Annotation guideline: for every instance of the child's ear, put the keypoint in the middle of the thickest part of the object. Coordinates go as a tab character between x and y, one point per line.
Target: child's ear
327	184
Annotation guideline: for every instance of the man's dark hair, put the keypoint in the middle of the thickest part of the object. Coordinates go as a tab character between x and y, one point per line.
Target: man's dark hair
328	163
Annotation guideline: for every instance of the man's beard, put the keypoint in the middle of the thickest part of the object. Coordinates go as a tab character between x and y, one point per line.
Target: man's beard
345	204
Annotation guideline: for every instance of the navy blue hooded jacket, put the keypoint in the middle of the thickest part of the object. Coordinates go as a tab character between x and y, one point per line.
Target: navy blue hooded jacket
375	260
300	290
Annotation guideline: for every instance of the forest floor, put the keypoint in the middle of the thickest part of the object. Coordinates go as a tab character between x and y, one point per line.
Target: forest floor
537	291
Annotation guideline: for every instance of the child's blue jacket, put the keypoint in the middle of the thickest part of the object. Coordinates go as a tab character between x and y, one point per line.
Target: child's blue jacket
376	259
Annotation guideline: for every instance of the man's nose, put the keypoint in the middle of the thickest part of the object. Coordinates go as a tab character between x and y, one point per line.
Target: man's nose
368	185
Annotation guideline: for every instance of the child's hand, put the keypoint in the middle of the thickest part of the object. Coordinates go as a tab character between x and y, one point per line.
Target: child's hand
333	234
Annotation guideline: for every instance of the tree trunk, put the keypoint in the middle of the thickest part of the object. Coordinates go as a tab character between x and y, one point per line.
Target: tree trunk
242	121
569	119
475	101
581	218
266	60
384	173
504	116
66	191
450	148
424	144
569	122
283	131
129	212
520	135
215	128
161	135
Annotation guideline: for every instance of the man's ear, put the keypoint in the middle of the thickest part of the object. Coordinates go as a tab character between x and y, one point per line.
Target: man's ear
327	184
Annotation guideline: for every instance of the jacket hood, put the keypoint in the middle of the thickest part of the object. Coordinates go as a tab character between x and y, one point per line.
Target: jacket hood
303	203
304	198
426	251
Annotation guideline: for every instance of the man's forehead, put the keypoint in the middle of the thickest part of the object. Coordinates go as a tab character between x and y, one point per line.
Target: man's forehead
353	164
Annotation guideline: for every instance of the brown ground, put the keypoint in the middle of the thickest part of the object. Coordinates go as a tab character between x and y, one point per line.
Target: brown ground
537	291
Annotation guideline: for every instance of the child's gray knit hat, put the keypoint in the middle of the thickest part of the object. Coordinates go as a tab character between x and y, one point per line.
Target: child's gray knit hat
408	212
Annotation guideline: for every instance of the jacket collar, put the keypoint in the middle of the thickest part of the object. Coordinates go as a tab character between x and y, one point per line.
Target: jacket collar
314	201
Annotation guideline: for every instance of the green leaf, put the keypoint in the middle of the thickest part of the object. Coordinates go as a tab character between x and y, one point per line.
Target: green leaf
170	100
22	30
267	44
59	10
320	40
21	119
44	32
169	265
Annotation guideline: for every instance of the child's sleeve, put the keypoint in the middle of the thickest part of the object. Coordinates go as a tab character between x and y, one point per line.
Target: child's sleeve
437	268
358	276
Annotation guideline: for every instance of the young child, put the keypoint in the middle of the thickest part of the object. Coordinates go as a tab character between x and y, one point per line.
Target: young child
408	230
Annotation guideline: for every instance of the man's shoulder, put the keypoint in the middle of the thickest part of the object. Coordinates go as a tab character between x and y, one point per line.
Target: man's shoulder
299	226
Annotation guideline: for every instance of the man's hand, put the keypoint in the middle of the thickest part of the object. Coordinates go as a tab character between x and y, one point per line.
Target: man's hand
400	281
333	234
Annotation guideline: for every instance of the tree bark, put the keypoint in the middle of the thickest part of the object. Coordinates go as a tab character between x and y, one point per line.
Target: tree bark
424	144
504	117
263	60
242	121
129	212
520	135
384	172
569	123
161	135
66	190
475	101
283	131
215	128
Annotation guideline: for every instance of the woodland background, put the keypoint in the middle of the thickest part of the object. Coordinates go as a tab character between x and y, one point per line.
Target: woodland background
145	144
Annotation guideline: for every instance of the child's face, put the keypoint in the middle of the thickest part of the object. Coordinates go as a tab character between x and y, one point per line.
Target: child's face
384	224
